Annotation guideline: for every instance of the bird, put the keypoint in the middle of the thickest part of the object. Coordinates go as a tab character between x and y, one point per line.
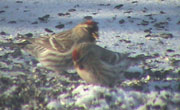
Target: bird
54	52
98	65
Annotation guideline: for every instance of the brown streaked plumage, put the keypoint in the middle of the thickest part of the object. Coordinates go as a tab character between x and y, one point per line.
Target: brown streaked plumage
98	65
55	52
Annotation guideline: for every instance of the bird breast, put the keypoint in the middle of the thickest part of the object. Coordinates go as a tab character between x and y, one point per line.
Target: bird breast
86	75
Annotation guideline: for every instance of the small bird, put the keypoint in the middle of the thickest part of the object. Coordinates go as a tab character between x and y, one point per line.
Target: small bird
98	65
55	51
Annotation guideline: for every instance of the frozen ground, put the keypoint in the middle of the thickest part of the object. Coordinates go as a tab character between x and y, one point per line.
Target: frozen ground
142	27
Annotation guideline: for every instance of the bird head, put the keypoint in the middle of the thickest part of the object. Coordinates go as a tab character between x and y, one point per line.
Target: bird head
90	28
93	28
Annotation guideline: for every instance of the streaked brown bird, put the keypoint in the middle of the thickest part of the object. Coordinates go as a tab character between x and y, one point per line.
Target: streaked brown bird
55	52
98	65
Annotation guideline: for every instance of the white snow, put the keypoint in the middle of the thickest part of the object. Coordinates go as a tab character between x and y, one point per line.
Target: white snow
113	35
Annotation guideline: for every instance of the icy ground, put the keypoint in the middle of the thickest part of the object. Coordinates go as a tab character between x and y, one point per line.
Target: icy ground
142	27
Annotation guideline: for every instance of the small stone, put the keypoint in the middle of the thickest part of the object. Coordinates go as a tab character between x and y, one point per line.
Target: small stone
118	6
124	40
29	34
88	17
163	35
144	22
44	18
76	6
129	17
170	50
63	14
162	12
3	33
178	22
104	4
19	1
35	22
12	22
147	30
94	13
60	26
149	15
48	30
70	22
168	18
121	21
26	10
144	10
161	25
166	35
101	4
134	1
6	6
129	11
2	11
72	10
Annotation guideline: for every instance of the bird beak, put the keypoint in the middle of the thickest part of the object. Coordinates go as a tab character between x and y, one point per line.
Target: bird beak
95	35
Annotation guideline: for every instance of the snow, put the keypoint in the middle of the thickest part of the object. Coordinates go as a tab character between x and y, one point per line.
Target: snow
157	16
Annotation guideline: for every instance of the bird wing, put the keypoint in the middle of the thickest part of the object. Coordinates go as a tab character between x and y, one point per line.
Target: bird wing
60	42
107	73
110	57
61	45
